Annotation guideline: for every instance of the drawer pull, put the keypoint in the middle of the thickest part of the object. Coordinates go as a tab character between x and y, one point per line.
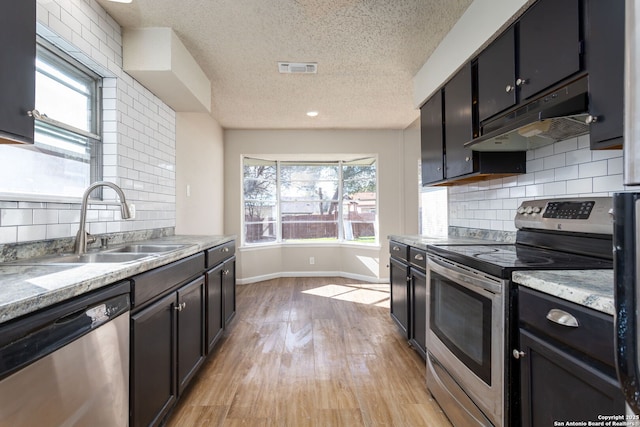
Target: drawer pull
563	318
225	249
419	257
396	249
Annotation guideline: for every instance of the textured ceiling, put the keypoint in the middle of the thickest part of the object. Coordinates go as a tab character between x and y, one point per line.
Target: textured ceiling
367	53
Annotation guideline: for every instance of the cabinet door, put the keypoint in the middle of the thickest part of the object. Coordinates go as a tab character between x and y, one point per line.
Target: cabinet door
431	141
229	289
558	386
549	48
398	273
497	76
458	123
215	323
18	72
605	65
419	311
153	389
191	349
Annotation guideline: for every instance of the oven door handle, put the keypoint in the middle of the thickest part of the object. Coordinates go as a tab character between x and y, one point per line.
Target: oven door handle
464	276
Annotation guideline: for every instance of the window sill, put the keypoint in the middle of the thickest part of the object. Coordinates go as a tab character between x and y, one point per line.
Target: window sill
371	246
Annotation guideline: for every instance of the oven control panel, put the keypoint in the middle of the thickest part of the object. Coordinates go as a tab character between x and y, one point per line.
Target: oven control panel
580	215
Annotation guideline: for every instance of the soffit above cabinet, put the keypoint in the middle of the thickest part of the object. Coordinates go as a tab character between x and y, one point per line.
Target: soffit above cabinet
157	59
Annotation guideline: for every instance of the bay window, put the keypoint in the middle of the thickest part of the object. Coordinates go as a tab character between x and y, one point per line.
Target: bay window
310	201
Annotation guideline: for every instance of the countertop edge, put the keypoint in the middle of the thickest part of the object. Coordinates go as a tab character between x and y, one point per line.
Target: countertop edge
588	288
77	280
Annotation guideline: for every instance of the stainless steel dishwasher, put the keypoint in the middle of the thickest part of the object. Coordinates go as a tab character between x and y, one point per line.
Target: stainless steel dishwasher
68	365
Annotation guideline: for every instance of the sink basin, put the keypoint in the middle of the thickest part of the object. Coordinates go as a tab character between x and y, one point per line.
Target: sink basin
90	258
147	248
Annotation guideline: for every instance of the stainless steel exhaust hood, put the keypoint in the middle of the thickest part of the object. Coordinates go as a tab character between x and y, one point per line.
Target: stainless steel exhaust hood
555	116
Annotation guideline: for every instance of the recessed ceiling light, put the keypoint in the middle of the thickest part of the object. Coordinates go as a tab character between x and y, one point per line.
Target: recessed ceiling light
312	113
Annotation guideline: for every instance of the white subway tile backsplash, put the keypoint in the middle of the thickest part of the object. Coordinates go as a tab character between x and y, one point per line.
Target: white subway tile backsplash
580	186
592	169
10	217
604	184
32	232
565	168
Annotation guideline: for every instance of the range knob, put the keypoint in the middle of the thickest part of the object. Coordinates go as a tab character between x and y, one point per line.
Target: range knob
528	209
520	210
536	209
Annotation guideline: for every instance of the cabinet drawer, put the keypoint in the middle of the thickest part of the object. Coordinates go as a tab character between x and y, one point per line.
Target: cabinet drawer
592	336
220	253
155	282
398	250
418	258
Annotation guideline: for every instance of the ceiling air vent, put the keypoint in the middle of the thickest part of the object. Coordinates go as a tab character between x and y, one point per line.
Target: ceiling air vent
297	67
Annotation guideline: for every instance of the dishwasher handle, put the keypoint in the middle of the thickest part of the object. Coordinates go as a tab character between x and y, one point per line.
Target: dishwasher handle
34	337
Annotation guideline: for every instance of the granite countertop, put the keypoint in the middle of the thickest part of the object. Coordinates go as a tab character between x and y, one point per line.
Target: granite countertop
589	288
25	288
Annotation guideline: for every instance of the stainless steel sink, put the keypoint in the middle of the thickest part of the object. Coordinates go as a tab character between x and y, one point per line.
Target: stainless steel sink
89	258
147	248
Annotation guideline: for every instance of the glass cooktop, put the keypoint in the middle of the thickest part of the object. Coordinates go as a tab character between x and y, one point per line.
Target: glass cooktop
500	260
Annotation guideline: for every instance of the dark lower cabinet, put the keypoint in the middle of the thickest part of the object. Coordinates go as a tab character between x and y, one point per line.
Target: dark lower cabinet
167	347
153	355
191	326
399	284
419	311
399	294
229	289
215	322
566	362
558	386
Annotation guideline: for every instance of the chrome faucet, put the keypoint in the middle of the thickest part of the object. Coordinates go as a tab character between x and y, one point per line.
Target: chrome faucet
82	235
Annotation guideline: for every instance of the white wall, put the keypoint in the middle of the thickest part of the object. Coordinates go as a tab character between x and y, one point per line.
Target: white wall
200	166
356	261
566	168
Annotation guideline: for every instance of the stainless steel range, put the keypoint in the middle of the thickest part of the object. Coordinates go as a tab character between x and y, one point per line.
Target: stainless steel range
472	303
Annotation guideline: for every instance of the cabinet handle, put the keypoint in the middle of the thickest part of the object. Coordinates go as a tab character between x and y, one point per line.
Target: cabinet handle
439	168
180	306
35	114
466	159
396	249
517	354
225	249
563	318
509	88
591	119
521	82
419	257
225	272
408	278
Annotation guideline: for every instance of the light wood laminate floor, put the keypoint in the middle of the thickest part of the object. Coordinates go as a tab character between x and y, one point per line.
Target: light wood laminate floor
311	352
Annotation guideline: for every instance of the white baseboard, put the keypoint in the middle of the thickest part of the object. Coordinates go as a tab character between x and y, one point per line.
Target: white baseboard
261	278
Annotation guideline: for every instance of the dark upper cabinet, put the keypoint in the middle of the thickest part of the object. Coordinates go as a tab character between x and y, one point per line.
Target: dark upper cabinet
18	72
432	143
604	58
458	123
549	45
497	76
